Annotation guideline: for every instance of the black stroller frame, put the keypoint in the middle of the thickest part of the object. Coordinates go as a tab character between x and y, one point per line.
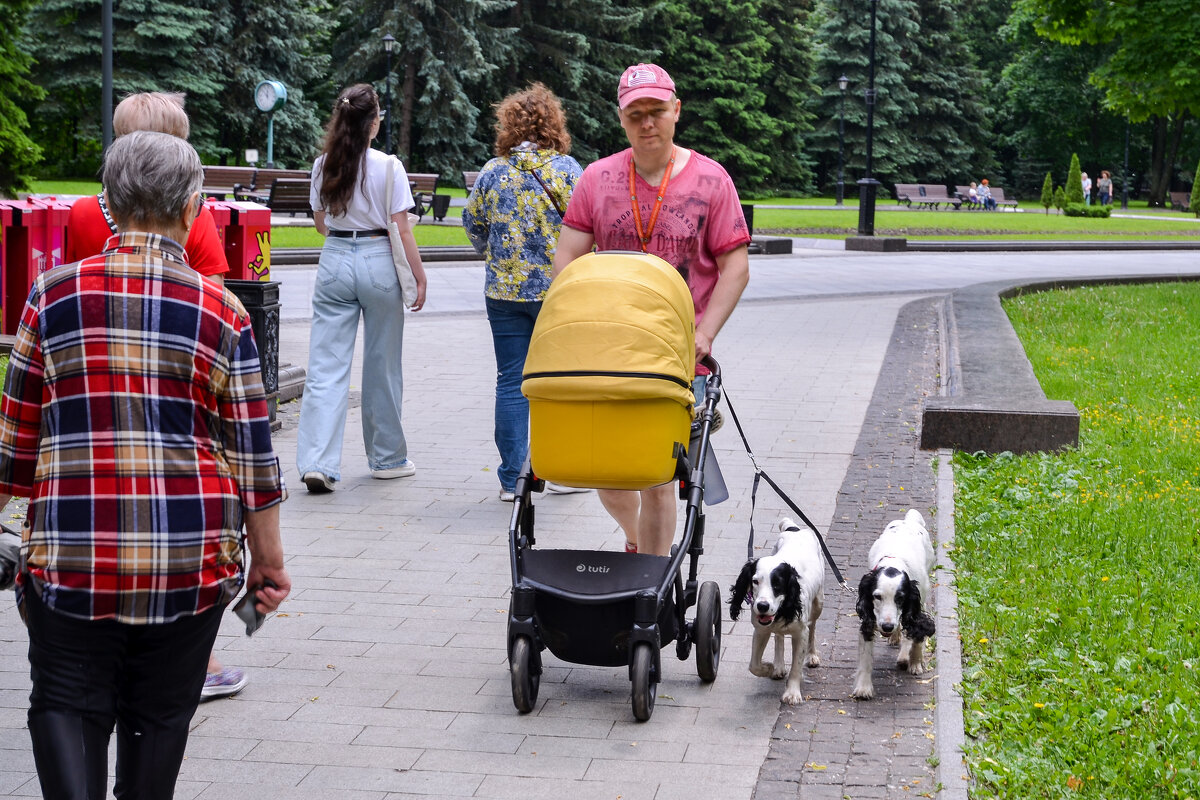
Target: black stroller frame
629	605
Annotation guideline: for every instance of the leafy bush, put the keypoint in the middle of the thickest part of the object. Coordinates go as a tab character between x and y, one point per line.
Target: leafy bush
1060	198
1080	210
1074	181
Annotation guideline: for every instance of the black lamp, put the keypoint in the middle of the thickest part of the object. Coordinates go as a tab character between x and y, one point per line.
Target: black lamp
388	43
867	184
842	83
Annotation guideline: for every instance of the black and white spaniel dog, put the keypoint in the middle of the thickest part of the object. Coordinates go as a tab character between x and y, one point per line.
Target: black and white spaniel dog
785	592
893	598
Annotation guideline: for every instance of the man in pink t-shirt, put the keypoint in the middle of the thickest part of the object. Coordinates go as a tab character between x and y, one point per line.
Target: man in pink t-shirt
688	214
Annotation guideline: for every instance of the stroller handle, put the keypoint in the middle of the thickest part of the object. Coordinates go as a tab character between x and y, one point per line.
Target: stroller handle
712	365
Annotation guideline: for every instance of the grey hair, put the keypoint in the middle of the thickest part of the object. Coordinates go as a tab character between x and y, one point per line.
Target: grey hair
148	177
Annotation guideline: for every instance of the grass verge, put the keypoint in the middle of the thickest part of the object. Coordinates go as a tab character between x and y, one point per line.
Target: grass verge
1080	623
426	236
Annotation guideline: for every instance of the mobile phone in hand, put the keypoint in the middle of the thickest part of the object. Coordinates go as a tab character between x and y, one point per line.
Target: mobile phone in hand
247	608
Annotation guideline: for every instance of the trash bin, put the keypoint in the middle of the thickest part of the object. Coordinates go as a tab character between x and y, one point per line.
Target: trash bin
248	241
220	214
34	233
261	299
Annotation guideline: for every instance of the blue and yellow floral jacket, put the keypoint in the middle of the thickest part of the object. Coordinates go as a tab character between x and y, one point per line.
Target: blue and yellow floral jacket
511	221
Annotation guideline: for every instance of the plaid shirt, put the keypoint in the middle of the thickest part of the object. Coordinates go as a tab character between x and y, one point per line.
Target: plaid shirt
134	415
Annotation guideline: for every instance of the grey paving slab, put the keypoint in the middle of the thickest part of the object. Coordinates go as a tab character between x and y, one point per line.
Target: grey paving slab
388	678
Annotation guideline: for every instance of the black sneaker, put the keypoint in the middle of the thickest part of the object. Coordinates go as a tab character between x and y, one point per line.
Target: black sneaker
717	421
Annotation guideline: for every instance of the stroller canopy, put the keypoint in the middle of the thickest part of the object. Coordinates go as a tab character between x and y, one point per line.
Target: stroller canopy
614	326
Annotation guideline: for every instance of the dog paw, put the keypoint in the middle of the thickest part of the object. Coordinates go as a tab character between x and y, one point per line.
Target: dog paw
763	670
916	668
779	672
863	692
813	661
793	697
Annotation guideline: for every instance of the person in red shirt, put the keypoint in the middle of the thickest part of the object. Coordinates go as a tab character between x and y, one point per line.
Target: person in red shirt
89	225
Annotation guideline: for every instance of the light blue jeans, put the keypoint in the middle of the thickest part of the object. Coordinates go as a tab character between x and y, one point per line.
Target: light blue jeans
353	278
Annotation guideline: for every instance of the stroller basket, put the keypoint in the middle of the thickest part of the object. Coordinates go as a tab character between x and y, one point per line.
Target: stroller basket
609	373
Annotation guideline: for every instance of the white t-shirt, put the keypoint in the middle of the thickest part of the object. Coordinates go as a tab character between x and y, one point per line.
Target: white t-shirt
365	211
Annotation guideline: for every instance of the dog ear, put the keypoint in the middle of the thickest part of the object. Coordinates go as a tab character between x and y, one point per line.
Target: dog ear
916	623
793	597
740	588
866	605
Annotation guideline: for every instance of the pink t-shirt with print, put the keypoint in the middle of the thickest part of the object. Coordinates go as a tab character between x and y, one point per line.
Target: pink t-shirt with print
701	217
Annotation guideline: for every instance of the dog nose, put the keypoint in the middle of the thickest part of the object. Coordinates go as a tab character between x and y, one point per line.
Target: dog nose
886	627
762	606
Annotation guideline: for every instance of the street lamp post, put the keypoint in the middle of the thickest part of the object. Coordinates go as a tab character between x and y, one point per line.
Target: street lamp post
867	184
388	43
842	83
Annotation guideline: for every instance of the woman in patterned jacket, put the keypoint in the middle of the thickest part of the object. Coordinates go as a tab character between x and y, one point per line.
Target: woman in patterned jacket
513	217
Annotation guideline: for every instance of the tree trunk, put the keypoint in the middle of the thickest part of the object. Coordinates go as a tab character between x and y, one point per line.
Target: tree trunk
408	102
1159	176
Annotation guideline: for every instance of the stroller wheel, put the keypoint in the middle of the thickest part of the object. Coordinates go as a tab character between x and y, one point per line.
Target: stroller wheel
708	631
524	682
644	688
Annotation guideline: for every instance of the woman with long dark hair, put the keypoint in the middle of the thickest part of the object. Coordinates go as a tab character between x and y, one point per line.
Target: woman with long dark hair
356	276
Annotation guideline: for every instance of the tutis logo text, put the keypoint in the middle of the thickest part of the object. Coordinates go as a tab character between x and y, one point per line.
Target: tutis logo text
589	568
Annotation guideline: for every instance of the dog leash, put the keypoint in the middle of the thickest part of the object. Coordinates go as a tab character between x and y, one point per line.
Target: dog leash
761	474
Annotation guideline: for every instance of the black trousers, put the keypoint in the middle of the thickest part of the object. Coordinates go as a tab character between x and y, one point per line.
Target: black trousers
91	675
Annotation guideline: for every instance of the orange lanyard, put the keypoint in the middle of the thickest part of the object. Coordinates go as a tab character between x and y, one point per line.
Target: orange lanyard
644	236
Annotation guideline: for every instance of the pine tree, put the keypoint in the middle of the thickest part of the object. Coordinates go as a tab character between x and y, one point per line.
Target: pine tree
716	51
443	48
1060	199
950	129
18	153
1074	181
284	40
577	49
842	41
158	45
1194	200
1048	192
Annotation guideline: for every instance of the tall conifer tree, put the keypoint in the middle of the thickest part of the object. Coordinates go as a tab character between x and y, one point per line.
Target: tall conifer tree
18	153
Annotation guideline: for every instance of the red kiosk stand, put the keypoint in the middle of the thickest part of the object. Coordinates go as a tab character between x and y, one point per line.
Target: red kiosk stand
34	234
246	233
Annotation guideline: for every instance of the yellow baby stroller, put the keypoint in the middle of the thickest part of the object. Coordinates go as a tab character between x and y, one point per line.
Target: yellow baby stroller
608	377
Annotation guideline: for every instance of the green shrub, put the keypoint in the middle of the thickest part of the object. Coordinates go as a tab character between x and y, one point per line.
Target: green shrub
1195	206
1060	199
1048	192
1081	210
1074	182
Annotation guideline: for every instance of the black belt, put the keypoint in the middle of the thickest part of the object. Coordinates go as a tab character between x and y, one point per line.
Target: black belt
358	234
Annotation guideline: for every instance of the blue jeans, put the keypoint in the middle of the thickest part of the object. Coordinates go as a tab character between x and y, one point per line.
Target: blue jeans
353	278
512	326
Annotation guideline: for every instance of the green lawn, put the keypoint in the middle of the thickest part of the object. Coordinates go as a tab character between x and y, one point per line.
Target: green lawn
426	235
1079	615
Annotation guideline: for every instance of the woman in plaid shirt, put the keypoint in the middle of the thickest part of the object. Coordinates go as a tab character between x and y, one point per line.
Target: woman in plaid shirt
134	417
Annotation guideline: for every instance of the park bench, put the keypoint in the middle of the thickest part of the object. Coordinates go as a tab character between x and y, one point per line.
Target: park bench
222	181
289	196
925	195
1001	200
1180	201
964	194
469	179
425	196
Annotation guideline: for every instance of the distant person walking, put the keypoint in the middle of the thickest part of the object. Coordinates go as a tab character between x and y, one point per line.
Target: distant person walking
356	278
1086	182
675	203
135	419
1104	187
513	217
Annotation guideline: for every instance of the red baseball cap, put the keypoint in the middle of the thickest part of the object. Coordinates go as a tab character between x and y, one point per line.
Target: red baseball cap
644	80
